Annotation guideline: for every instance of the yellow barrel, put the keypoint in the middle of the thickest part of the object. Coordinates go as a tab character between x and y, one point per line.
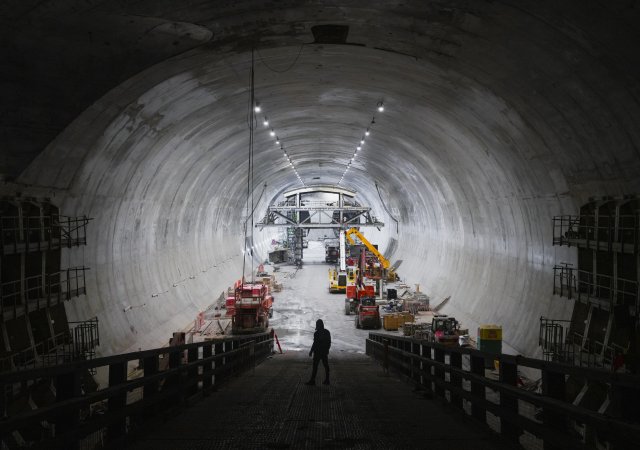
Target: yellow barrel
490	339
490	332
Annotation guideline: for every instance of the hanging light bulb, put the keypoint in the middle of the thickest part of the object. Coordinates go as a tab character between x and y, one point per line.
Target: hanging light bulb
358	148
366	133
361	141
265	122
257	108
272	133
380	106
277	141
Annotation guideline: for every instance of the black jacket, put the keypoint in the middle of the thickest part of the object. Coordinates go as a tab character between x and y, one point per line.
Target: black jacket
321	342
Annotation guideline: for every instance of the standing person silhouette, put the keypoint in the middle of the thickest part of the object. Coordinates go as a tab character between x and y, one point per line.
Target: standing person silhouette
320	352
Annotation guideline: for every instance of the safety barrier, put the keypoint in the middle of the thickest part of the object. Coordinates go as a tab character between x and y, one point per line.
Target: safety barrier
20	234
20	297
161	379
549	418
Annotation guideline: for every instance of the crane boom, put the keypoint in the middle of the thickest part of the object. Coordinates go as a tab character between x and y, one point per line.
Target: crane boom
383	261
343	249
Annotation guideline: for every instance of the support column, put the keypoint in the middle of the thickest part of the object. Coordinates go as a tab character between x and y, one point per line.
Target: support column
117	375
477	389
553	385
509	375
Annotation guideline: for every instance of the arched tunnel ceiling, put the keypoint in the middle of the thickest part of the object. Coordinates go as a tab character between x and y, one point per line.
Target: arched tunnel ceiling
498	116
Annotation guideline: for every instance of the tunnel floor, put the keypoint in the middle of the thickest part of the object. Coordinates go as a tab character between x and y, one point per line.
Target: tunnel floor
272	407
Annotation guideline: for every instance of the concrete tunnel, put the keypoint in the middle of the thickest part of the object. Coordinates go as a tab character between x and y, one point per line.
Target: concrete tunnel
498	116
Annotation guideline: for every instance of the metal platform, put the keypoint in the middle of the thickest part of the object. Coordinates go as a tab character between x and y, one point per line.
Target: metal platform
273	408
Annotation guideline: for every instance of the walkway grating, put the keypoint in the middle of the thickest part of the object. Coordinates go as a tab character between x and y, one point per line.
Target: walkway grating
272	408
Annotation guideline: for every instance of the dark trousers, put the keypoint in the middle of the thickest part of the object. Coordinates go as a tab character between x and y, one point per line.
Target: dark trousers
325	362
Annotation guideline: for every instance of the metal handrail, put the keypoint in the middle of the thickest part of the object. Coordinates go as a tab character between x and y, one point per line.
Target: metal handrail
458	375
207	365
569	282
36	292
41	232
601	229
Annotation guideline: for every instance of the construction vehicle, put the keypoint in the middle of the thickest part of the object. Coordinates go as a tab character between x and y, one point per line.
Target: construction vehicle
354	297
331	254
253	308
444	330
337	281
384	262
370	269
368	313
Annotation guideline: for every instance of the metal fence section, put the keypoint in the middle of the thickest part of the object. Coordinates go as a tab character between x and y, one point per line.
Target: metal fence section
140	384
584	286
549	417
77	343
20	234
19	297
599	233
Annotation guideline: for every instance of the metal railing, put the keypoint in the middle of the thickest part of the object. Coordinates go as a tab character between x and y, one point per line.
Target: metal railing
621	235
50	351
165	379
19	297
41	233
76	343
458	375
585	286
559	343
552	339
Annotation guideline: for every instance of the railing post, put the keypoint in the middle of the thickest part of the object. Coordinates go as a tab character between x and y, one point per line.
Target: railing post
553	386
439	373
117	376
509	375
218	364
477	389
68	386
173	381
192	373
415	350
207	381
426	367
455	360
385	357
150	367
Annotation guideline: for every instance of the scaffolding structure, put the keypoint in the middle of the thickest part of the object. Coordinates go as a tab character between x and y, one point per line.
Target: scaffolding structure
605	285
297	212
34	329
300	212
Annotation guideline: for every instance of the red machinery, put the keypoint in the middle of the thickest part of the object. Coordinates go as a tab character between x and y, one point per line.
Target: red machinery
368	313
444	330
253	307
354	295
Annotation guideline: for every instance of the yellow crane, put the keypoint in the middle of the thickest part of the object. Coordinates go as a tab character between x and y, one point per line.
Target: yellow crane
384	262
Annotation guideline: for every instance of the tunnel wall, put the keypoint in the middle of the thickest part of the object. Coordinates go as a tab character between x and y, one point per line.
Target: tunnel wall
503	116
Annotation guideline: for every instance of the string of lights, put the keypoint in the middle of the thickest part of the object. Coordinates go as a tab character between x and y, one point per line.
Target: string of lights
360	146
265	122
